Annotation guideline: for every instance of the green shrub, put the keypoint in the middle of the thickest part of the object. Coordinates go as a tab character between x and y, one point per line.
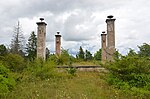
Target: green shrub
71	70
14	62
7	83
40	69
64	58
47	71
130	71
59	60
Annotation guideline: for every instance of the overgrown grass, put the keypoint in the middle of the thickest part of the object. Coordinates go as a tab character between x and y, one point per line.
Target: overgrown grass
41	80
85	85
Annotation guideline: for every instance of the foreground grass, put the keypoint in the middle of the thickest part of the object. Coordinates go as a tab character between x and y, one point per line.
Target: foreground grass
85	85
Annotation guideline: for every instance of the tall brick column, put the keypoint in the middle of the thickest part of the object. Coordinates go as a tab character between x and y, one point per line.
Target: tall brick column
103	41
58	44
110	37
41	39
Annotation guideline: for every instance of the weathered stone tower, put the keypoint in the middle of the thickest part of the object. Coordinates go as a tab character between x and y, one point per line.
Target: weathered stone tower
110	37
103	41
58	44
41	39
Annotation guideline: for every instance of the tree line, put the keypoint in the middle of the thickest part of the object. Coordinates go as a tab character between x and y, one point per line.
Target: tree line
29	50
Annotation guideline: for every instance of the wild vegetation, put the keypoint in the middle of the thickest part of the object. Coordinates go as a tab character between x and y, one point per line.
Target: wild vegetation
23	76
128	77
131	73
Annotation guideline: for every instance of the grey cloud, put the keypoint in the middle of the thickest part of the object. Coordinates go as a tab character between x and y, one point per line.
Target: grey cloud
79	26
33	7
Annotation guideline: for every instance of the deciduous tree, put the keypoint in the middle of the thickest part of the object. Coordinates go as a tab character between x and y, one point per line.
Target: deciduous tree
144	50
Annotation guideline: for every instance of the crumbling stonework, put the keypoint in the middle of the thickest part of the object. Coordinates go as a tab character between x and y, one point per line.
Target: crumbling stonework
103	42
41	39
110	38
58	44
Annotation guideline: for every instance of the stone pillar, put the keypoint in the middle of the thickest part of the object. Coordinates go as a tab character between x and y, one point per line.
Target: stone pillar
110	37
103	41
58	44
41	39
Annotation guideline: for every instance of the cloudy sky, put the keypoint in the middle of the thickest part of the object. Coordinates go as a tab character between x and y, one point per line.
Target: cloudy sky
80	22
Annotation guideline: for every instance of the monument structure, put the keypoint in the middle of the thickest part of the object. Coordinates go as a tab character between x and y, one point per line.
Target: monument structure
41	39
108	40
103	43
110	37
58	44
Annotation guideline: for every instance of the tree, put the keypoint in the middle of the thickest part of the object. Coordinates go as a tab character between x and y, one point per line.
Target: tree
88	55
80	54
131	52
144	50
31	48
3	50
97	55
17	43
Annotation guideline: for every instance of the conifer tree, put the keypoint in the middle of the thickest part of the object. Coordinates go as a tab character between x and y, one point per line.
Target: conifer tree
97	55
88	55
32	46
80	53
17	43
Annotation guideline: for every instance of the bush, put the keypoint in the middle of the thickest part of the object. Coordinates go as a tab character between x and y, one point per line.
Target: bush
47	71
7	83
129	72
62	59
14	62
71	70
40	69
